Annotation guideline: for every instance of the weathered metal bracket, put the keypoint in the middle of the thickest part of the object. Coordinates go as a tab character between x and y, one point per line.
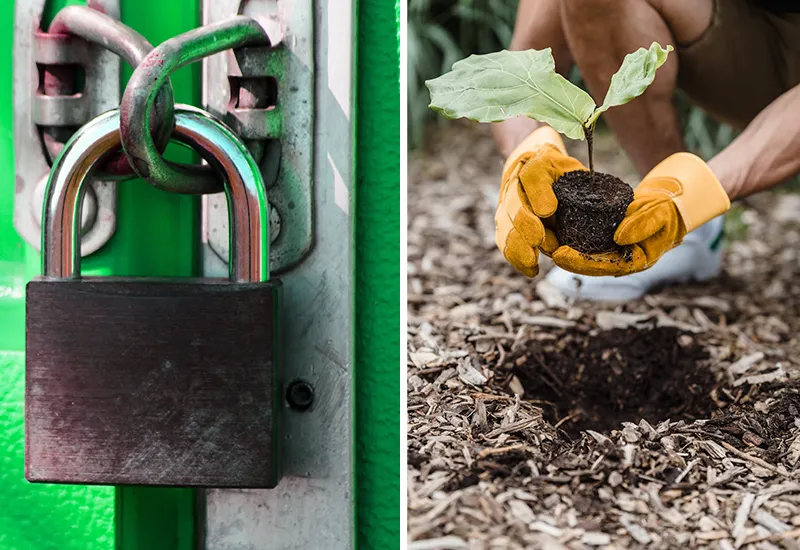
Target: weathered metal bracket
266	95
314	504
33	110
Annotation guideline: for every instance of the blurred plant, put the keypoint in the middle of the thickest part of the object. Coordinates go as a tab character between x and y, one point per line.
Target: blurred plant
440	32
703	135
735	224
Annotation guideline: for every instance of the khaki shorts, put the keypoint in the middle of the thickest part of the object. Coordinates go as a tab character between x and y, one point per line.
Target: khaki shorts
742	62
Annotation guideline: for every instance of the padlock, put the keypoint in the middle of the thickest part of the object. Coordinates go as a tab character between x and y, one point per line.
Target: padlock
153	381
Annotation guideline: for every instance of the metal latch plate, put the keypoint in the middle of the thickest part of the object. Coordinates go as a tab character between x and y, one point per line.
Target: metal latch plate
100	93
287	165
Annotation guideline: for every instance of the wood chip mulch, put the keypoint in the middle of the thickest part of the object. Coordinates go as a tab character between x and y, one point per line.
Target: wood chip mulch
537	422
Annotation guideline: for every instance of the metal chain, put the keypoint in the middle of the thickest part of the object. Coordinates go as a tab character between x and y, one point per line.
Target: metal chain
148	106
59	79
144	87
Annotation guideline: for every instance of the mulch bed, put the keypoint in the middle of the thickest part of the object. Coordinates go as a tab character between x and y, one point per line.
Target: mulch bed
538	422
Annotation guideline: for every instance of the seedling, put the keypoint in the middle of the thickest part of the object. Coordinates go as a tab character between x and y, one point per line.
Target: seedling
502	85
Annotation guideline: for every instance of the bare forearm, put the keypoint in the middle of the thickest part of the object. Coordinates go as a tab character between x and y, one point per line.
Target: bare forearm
766	153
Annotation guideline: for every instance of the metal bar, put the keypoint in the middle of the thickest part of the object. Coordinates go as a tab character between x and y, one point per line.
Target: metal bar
61	110
60	49
314	505
98	28
150	518
252	124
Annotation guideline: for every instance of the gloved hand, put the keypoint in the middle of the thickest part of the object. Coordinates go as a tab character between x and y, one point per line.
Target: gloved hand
676	197
524	219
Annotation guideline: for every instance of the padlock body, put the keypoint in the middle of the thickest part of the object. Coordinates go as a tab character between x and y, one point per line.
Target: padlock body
168	382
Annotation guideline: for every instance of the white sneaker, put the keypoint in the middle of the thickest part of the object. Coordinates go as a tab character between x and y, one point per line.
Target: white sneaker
697	258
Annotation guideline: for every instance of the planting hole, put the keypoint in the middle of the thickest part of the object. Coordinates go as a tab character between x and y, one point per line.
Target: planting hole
596	382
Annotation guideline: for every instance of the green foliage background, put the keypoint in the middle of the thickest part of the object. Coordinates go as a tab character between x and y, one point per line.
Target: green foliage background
440	32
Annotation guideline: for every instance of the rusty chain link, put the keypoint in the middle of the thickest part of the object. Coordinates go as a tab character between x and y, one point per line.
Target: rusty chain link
144	87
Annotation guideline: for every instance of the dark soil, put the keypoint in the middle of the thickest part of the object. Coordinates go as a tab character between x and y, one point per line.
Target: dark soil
590	211
512	464
597	382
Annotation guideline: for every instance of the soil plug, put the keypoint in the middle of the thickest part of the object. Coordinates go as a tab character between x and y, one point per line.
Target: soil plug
502	85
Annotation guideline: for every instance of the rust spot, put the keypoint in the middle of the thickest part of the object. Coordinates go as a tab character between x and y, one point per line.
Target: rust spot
152	61
117	165
95	5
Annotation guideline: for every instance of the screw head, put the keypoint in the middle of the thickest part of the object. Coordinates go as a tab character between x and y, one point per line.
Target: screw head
300	395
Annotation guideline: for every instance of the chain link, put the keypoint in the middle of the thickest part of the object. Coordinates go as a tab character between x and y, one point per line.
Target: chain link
59	79
144	86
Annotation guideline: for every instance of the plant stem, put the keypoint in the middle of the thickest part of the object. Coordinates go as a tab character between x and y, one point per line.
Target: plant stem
589	133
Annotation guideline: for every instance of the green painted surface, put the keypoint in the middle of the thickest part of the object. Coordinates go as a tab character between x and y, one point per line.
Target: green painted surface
155	518
378	277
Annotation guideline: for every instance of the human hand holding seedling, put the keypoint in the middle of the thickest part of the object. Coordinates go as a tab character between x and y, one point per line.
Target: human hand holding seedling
589	223
524	220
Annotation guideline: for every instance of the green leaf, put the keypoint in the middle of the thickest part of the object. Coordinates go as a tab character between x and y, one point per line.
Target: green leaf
634	76
501	85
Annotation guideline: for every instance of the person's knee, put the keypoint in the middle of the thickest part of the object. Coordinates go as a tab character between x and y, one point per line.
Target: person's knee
577	11
607	8
686	20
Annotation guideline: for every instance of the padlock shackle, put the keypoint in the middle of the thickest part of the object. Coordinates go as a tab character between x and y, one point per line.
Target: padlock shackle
215	142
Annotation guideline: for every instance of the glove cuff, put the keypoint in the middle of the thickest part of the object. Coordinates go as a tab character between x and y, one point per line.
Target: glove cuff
703	198
535	139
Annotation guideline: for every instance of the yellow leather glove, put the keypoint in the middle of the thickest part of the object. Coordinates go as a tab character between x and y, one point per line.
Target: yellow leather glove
676	197
524	219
